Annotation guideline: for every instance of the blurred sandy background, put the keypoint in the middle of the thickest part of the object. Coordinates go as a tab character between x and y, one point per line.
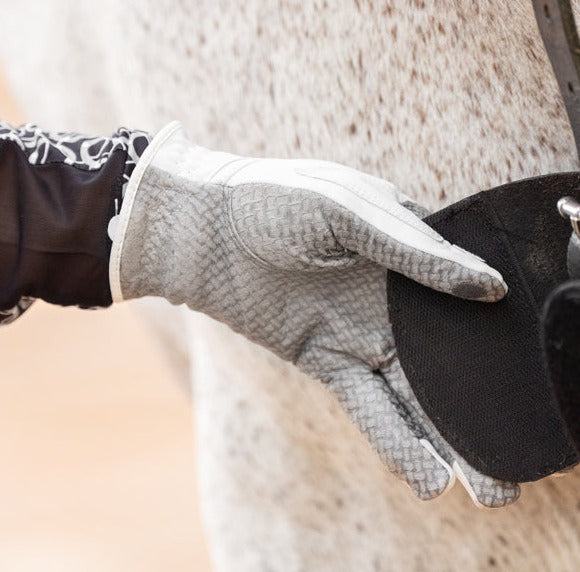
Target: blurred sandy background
97	457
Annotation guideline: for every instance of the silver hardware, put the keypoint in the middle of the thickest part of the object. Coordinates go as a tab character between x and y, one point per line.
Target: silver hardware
570	208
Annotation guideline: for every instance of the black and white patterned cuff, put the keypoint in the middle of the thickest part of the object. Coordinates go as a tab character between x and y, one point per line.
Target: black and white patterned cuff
81	153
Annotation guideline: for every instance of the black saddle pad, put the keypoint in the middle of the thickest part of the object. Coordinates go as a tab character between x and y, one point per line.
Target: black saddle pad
479	370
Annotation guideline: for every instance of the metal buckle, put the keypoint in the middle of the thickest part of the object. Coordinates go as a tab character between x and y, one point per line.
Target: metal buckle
570	208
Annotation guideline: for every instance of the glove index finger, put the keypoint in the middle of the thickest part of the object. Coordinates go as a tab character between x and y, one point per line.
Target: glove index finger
379	415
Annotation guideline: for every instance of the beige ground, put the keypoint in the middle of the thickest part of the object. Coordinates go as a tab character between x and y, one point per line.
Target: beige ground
97	467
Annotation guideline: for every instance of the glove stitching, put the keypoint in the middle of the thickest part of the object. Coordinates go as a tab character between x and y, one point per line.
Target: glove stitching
254	258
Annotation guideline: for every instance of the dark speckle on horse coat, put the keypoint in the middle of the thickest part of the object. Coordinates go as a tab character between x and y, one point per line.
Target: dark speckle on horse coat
442	98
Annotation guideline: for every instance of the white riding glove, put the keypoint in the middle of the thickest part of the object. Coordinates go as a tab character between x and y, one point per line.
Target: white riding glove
294	254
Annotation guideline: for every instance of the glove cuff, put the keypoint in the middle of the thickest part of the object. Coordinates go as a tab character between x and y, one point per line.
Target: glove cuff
118	233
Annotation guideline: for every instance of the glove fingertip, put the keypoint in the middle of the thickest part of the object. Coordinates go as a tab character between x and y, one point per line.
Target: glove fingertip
426	490
434	482
486	492
463	275
487	288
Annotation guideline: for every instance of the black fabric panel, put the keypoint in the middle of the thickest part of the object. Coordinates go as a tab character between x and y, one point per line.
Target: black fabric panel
53	234
562	341
478	369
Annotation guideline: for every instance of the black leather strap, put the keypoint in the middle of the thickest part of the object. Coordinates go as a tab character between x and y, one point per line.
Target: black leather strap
558	29
561	323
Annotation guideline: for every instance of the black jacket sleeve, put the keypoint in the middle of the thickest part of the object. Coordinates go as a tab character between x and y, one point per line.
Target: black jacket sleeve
58	192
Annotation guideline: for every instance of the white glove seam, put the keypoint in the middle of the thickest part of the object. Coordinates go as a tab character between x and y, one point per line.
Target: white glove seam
127	207
228	199
431	449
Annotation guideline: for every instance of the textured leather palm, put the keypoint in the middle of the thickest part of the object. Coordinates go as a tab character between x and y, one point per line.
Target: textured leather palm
280	266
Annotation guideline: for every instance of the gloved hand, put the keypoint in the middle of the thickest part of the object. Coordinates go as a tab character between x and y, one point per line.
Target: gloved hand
293	254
